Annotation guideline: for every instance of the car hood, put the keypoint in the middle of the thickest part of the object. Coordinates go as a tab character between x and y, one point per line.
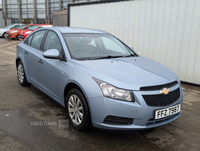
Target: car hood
14	29
24	31
4	29
128	73
17	30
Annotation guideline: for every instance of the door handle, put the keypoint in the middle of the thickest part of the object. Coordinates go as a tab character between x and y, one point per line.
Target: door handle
26	53
40	61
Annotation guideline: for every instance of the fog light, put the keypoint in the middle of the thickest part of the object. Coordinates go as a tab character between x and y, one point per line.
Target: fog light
115	120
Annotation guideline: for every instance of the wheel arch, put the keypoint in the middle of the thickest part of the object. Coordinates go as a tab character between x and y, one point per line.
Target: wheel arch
70	86
17	61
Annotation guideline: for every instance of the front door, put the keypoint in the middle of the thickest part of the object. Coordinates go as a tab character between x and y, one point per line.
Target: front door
50	71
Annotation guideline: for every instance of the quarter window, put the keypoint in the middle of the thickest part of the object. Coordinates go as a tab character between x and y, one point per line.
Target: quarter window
52	42
28	41
37	39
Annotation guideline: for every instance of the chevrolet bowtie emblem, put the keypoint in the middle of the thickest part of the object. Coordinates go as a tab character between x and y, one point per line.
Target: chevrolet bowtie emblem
165	91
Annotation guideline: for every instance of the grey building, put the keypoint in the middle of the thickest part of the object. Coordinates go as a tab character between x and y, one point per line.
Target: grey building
34	11
2	23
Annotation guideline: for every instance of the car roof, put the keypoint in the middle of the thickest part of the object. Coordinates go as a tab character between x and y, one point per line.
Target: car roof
77	30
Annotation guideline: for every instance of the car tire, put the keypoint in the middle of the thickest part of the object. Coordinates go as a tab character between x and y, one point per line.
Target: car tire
78	110
3	36
21	74
17	37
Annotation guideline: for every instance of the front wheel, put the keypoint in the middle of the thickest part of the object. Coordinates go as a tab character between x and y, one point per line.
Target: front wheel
21	74
17	37
3	36
78	110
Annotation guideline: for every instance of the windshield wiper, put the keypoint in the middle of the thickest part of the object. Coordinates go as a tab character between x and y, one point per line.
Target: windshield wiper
132	55
104	57
109	56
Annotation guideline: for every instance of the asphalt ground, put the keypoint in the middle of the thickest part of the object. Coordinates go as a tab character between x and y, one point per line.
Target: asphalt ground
30	120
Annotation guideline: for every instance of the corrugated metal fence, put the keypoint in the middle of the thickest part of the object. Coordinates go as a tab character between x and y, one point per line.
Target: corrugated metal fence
60	18
167	31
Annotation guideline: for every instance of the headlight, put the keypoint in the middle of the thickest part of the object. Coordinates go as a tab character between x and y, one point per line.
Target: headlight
13	31
28	32
115	93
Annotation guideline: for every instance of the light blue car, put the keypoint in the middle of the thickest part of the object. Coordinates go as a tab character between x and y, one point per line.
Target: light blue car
98	79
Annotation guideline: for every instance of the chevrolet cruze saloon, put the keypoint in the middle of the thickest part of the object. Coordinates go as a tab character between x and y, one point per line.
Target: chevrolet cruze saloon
99	79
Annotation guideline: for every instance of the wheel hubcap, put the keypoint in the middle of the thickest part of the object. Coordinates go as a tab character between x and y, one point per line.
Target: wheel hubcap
75	109
20	73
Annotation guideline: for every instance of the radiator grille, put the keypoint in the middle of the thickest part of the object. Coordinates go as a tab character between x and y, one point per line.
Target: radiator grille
162	99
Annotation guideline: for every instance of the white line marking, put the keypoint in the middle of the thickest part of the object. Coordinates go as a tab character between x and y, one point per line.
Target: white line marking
195	91
8	44
12	47
8	52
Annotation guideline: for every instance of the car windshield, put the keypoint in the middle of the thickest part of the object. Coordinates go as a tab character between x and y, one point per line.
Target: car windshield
20	27
33	27
96	46
27	28
8	26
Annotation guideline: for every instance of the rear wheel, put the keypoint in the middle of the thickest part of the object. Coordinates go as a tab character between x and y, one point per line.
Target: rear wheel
21	74
78	110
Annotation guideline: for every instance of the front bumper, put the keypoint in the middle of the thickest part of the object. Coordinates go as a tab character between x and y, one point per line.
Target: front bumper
1	34
139	111
22	37
12	35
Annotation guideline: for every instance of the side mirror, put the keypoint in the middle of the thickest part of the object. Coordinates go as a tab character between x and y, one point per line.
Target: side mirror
52	54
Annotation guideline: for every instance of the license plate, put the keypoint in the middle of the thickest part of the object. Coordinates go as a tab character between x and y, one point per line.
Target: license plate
167	111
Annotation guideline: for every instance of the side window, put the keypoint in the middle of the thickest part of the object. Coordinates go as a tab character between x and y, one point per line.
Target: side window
52	42
28	41
37	39
110	45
